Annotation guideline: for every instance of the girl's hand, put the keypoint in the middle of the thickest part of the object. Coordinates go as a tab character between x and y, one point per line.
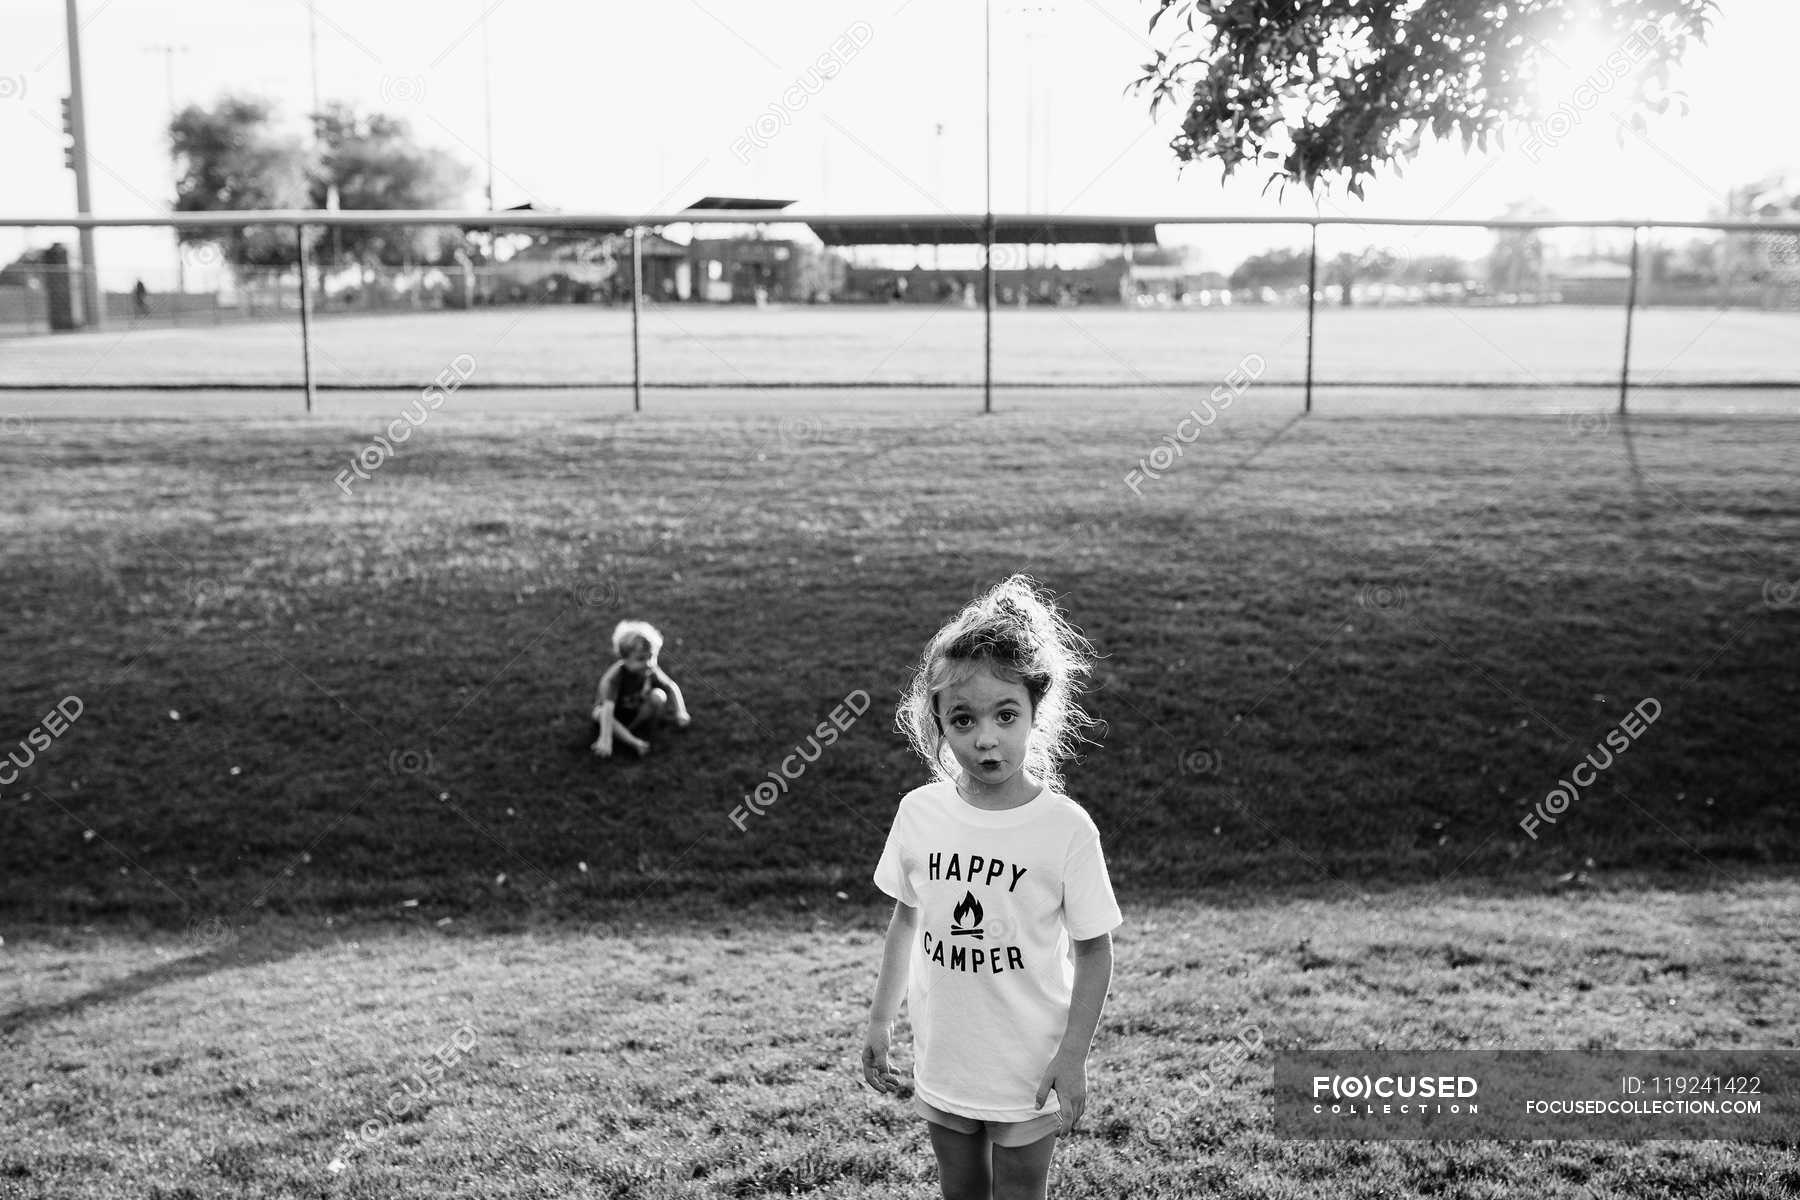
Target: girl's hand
1067	1076
878	1073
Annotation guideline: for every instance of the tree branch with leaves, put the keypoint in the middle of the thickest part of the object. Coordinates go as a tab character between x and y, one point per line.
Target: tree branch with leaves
1323	90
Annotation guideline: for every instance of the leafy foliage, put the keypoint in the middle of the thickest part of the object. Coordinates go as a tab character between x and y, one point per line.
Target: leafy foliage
1319	89
228	159
373	163
1517	261
1347	269
1272	268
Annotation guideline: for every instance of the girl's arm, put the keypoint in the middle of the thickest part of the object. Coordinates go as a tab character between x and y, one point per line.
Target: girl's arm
896	964
1067	1072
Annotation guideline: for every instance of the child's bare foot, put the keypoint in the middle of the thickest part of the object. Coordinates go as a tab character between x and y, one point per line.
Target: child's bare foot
601	751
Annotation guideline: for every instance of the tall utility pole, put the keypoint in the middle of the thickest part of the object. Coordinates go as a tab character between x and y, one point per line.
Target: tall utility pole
78	162
312	51
169	51
337	245
987	224
1030	119
1033	187
487	94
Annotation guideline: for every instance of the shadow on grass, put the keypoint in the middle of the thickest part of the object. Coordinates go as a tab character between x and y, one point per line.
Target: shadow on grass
1231	473
266	947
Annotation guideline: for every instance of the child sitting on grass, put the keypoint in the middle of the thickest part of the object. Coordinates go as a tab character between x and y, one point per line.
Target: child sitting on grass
635	692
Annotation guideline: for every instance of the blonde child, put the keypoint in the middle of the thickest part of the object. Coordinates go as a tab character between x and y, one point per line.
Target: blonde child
634	691
995	875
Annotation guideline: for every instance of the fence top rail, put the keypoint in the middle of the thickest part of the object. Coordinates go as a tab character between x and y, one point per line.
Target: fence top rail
612	222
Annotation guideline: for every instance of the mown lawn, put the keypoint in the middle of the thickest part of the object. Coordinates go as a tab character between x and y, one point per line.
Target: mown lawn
891	344
682	1059
1348	648
327	807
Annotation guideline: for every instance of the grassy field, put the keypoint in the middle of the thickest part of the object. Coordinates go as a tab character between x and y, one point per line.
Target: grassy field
675	1060
897	345
328	797
1393	636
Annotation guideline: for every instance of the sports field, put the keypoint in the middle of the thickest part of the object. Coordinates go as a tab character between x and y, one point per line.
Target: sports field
897	346
327	802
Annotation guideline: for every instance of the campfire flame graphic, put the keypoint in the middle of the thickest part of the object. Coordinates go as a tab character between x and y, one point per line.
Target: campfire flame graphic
967	916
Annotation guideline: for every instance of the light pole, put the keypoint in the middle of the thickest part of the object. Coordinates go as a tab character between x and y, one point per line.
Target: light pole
987	226
312	46
78	162
1031	13
312	54
487	96
1030	140
937	178
169	50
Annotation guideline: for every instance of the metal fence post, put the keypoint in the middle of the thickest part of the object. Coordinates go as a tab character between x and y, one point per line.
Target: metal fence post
987	309
1312	292
637	293
1630	306
305	317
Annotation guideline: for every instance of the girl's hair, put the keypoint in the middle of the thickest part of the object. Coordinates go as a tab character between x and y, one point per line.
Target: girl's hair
628	633
1016	632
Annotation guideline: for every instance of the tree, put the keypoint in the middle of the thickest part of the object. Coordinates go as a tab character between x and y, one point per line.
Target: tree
1374	262
373	163
1273	268
1516	263
228	159
24	270
1322	88
1433	268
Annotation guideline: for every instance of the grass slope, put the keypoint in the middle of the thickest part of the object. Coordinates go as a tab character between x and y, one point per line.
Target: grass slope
1354	649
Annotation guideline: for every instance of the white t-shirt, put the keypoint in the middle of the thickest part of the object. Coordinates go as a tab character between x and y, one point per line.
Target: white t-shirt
999	896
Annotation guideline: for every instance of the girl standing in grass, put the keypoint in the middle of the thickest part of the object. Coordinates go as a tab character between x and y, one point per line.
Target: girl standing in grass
995	875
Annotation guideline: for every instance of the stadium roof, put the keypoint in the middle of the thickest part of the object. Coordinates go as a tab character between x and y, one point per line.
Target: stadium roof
945	231
745	203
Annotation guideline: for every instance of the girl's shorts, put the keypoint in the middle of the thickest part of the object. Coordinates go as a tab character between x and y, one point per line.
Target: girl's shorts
1010	1134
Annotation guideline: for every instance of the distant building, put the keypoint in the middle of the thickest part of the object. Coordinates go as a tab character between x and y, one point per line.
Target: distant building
1175	284
555	268
744	270
668	275
1588	281
1105	283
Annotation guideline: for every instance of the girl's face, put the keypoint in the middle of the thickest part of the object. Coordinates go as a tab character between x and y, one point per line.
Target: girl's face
987	720
638	657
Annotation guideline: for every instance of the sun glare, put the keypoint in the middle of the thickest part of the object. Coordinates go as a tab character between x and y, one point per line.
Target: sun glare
1586	73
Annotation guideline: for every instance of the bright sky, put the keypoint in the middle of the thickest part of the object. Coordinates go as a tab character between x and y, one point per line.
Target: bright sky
639	107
